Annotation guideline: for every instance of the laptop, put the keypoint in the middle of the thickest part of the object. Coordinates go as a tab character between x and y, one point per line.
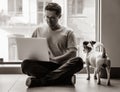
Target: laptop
32	48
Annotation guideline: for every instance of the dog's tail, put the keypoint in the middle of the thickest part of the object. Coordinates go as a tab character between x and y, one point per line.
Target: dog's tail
104	54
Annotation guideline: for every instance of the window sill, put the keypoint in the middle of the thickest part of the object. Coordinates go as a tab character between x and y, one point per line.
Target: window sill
10	68
9	63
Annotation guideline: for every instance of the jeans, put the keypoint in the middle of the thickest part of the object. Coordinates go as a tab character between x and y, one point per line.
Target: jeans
52	71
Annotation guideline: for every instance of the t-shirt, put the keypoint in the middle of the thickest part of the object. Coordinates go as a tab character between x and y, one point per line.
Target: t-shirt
59	41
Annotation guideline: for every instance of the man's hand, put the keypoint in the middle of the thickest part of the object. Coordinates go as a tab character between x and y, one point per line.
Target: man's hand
69	54
54	60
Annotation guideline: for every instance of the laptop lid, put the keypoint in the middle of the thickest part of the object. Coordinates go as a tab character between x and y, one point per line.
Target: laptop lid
32	48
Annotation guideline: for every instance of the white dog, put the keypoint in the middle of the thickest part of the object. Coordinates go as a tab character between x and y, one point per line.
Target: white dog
96	59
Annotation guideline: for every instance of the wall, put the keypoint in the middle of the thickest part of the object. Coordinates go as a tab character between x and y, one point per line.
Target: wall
111	29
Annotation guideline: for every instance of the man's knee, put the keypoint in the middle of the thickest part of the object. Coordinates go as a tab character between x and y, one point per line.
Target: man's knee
78	62
25	65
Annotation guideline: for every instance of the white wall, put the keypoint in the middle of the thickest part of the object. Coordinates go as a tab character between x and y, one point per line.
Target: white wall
111	29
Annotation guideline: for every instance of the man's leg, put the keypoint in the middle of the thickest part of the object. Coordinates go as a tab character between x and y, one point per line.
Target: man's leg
37	68
65	71
56	74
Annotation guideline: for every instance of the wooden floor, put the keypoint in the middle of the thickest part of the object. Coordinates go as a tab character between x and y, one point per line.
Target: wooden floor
16	83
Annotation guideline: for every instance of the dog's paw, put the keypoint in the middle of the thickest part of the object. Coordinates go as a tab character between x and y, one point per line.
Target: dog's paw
88	78
95	77
108	84
99	83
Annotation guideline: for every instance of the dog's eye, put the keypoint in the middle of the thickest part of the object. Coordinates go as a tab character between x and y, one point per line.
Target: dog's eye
85	43
92	42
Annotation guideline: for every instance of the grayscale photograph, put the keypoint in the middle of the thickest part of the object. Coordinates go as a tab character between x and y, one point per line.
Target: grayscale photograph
59	45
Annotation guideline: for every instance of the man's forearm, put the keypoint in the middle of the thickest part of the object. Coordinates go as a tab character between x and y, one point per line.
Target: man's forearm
66	56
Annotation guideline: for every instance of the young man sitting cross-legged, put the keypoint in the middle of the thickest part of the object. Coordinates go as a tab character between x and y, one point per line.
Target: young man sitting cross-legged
63	62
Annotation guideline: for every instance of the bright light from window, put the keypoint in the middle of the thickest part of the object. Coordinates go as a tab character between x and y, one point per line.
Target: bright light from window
20	18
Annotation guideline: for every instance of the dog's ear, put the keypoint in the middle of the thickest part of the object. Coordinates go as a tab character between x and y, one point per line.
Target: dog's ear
93	42
85	43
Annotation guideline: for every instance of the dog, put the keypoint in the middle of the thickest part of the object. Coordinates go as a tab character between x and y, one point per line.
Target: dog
96	59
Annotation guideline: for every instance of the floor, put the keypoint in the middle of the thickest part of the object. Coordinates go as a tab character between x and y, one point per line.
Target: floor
16	83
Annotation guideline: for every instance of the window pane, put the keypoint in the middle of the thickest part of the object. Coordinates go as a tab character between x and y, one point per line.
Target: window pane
19	7
15	7
39	18
73	6
40	6
70	4
79	6
11	6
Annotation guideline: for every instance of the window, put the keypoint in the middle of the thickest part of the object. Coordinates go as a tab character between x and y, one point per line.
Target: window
84	25
75	7
15	7
40	9
19	18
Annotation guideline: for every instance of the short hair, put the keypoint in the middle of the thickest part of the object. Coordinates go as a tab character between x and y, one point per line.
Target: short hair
54	7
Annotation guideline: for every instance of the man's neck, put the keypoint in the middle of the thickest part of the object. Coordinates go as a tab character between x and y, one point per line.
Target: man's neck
55	27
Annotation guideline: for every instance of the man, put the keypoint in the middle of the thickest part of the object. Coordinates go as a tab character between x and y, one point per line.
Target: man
63	61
